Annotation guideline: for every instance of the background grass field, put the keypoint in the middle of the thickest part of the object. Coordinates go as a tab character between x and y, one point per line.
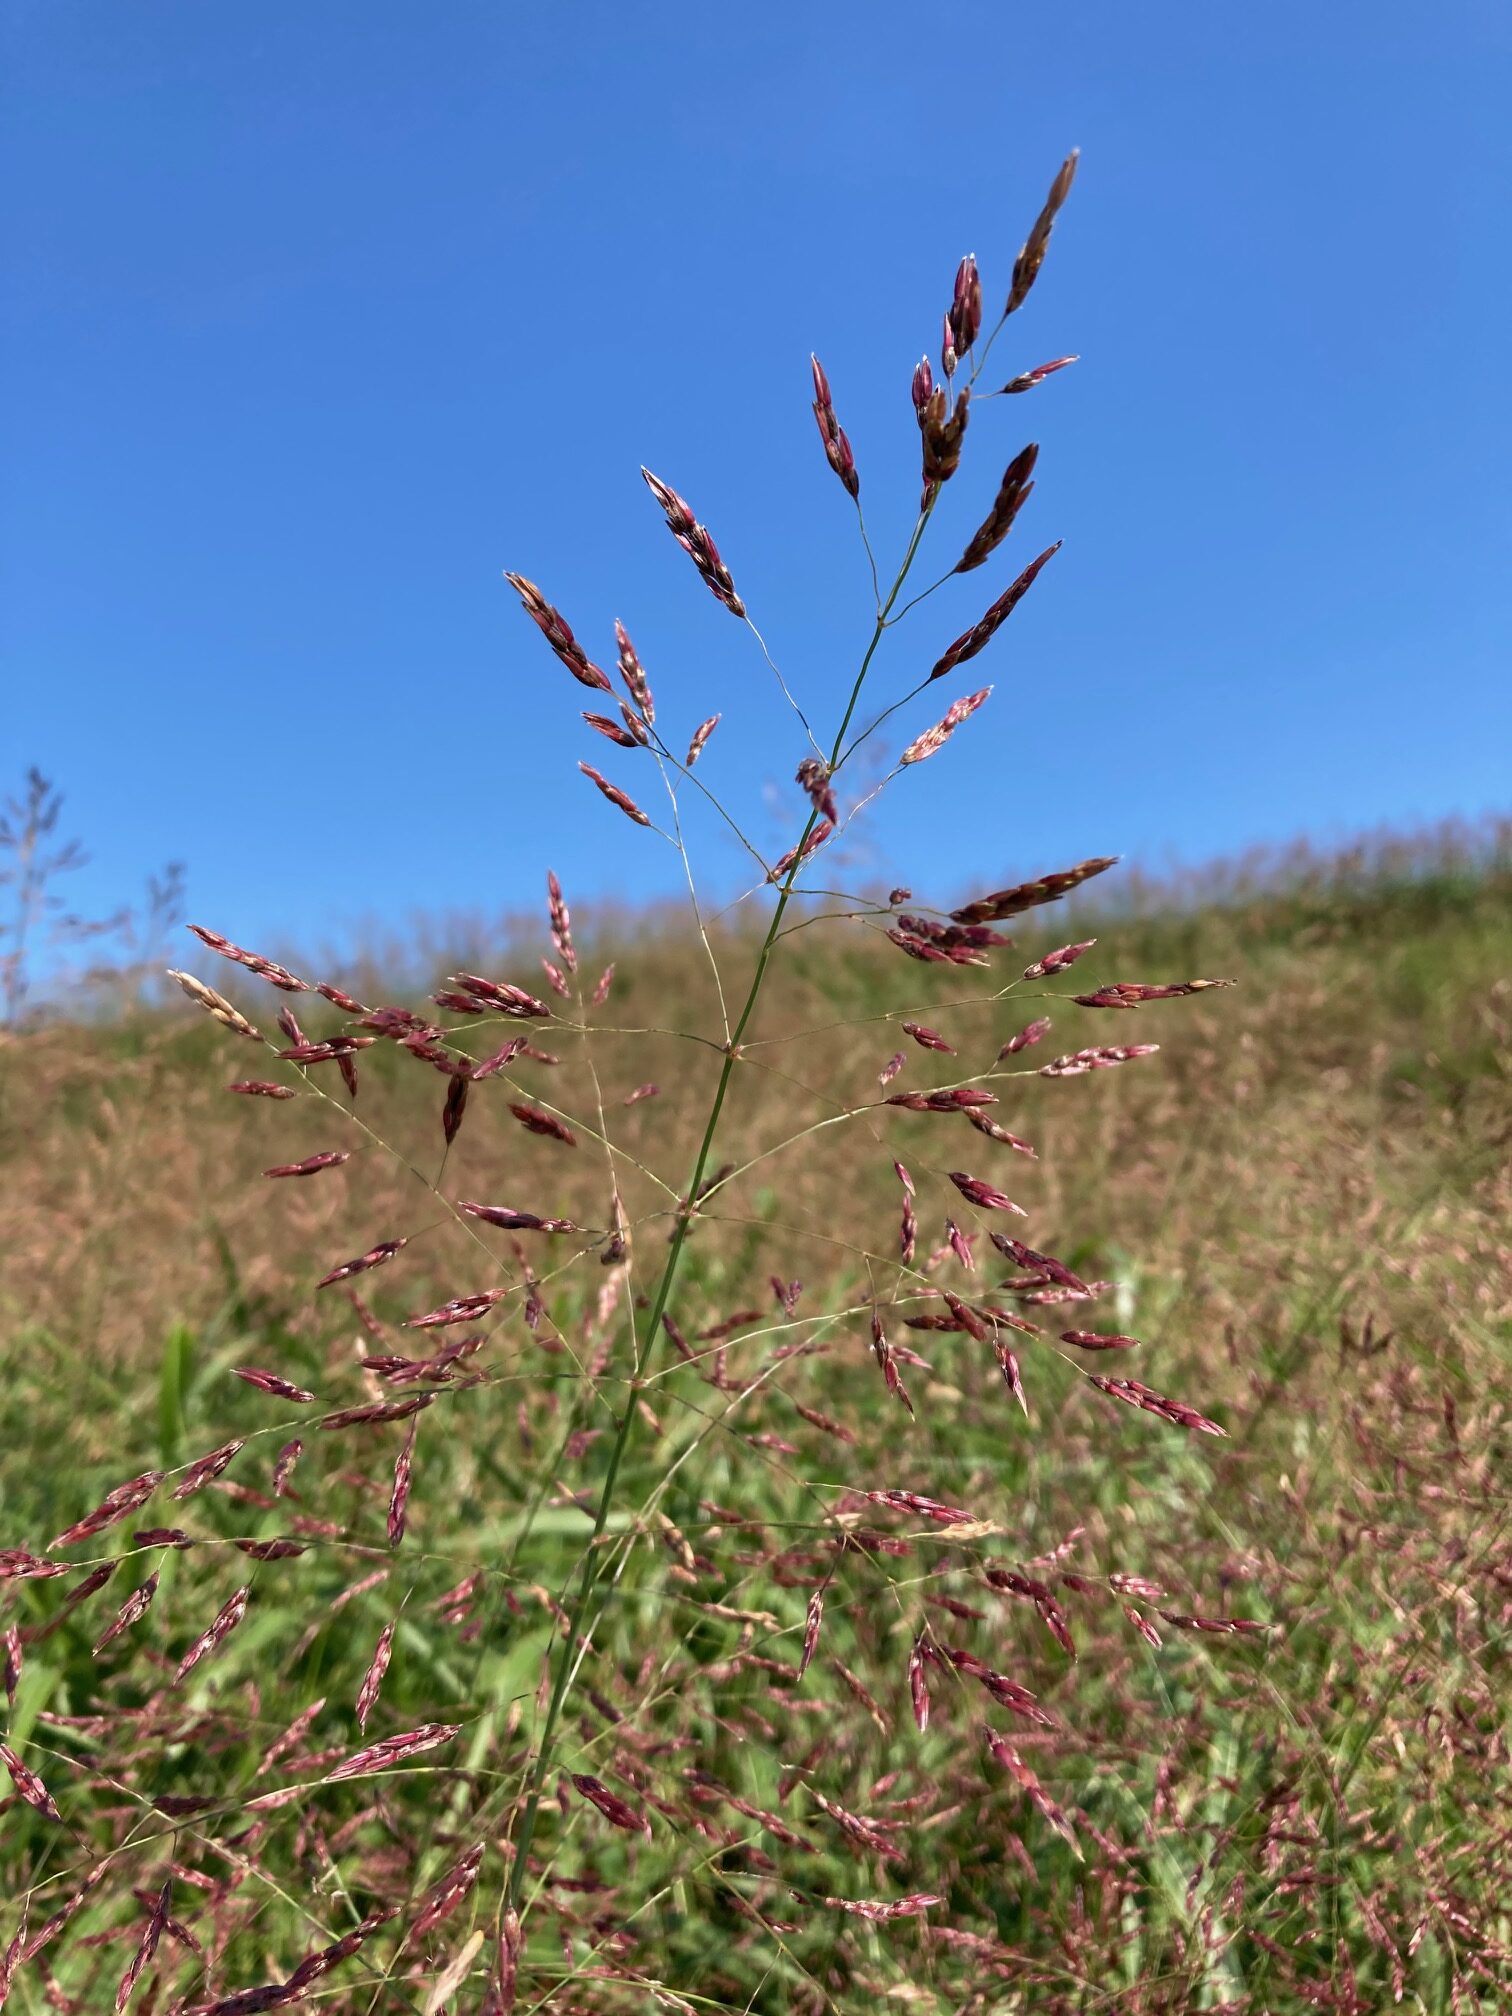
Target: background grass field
1303	1200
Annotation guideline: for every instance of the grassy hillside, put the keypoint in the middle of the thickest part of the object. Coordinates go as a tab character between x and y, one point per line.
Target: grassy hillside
1300	1207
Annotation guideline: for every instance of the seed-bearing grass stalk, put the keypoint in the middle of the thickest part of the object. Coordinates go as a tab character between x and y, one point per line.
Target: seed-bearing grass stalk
588	1574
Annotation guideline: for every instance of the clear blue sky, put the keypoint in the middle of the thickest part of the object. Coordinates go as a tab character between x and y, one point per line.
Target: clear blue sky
320	315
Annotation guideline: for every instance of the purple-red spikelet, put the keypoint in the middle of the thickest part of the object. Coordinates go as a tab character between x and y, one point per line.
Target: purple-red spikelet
330	1158
963	318
605	982
116	1505
613	793
943	1099
13	1663
975	1191
1130	993
1058	960
700	737
1099	1340
265	969
270	1382
1102	1058
614	1809
28	1784
453	1108
796	855
399	1494
1004	1754
696	542
206	1469
555	628
891	1068
537	1121
1036	375
1176	1411
879	1912
634	674
375	1256
394	1750
918	1690
928	1039
372	1680
925	1508
811	1625
511	1221
622	738
814	776
283	1467
156	1921
217	1631
1032	1033
837	447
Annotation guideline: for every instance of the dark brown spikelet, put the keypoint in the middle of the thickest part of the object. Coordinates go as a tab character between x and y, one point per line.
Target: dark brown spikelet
613	793
28	1785
510	1220
538	1121
982	632
206	1469
614	1809
1133	1394
837	448
394	1750
453	1107
329	1158
696	542
399	1494
375	1256
262	1088
270	1382
1032	255
944	430
1029	895
116	1505
555	628
1013	494
1036	375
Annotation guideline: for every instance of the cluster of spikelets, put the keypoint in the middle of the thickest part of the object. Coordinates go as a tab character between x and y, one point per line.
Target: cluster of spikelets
473	1034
